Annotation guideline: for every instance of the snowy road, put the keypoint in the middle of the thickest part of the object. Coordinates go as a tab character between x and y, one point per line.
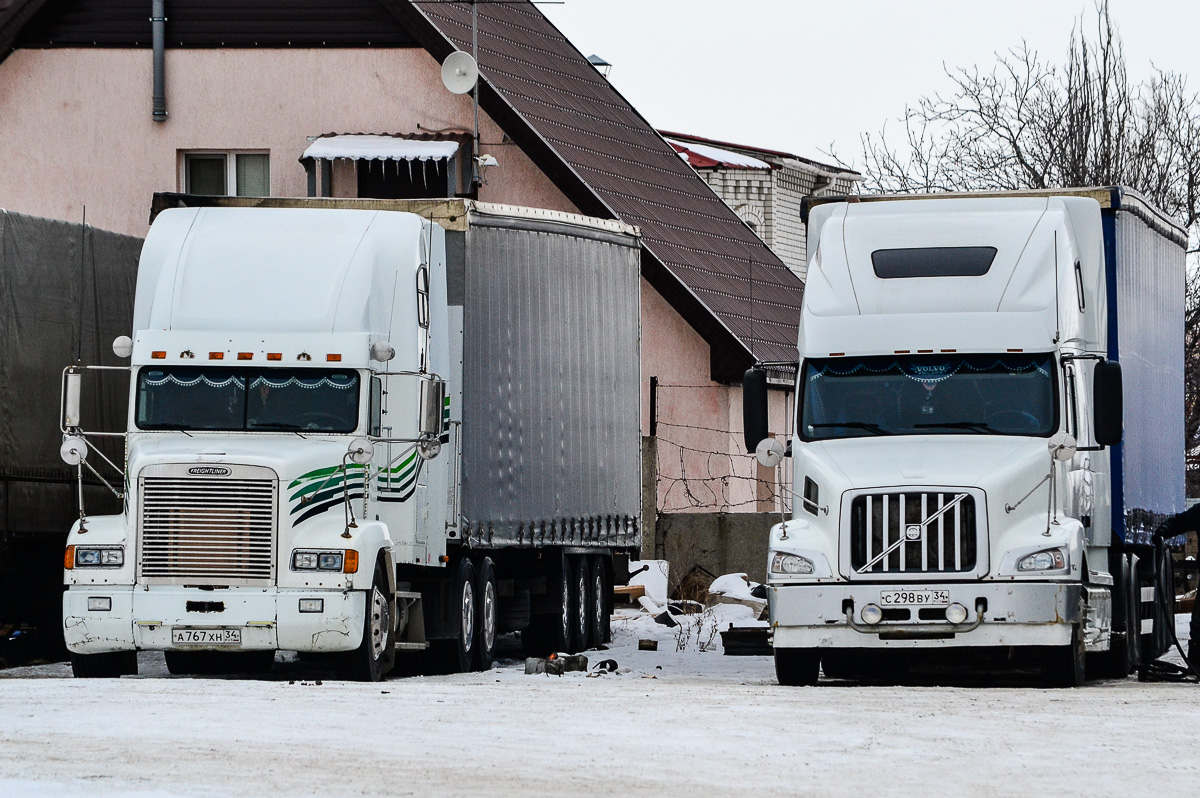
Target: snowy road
703	723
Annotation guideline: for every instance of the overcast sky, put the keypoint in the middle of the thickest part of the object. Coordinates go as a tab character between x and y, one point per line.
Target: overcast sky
798	75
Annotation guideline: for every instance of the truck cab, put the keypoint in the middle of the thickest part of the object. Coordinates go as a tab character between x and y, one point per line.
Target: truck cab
958	412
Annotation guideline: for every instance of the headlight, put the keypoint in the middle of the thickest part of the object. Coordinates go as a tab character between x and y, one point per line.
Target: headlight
96	557
790	564
338	561
1046	560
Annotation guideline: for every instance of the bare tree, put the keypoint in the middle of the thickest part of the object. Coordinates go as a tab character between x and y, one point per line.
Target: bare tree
1028	123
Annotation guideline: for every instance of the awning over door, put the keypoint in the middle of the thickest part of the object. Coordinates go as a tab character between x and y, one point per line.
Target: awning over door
365	147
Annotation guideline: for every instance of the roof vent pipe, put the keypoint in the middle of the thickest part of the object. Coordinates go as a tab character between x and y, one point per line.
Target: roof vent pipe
158	27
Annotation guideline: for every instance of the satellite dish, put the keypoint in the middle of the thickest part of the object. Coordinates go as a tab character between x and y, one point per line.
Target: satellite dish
460	73
769	452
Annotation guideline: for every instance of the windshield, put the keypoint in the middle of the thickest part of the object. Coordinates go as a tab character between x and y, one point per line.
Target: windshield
228	399
849	397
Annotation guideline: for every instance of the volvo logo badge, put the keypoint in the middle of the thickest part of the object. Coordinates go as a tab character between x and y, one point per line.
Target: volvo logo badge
209	471
913	531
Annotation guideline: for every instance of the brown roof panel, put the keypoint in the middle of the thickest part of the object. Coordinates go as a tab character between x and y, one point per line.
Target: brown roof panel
616	164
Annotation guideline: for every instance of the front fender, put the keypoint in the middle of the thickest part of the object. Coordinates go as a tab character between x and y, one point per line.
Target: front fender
102	530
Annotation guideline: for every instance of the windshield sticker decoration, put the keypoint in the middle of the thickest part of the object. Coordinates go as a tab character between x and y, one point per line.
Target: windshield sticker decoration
157	378
320	490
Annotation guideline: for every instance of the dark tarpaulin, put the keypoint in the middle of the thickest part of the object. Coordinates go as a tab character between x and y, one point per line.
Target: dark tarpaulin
49	296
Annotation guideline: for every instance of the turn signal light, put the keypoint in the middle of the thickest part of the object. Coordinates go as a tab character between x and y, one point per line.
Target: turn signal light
350	564
69	558
334	358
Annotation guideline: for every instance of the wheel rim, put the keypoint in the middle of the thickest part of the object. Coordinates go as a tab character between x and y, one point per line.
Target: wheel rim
468	616
598	602
581	615
380	619
566	610
489	615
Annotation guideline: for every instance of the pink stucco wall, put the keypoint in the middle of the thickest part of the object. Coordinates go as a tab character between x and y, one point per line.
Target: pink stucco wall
702	462
75	124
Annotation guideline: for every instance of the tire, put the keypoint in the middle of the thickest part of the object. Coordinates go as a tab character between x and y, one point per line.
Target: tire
1124	653
376	654
1065	666
580	620
598	593
458	654
797	667
110	665
487	604
550	632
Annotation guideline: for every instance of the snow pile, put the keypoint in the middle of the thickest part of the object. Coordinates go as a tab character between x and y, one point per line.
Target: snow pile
737	589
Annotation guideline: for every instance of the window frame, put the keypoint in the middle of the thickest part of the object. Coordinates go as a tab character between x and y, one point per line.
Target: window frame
230	158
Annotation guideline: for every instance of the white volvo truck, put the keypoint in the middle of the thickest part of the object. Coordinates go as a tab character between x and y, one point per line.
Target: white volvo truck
961	479
363	432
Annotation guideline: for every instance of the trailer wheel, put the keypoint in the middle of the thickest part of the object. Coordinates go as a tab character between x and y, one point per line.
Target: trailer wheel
1065	666
598	591
580	612
111	665
376	655
485	593
797	667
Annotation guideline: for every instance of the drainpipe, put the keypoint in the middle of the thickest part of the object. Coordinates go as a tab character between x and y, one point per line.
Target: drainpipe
158	27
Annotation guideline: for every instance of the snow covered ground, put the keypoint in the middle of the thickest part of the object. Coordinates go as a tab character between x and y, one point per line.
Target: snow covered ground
667	723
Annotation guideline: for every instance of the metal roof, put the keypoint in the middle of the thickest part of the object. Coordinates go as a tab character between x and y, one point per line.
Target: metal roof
611	162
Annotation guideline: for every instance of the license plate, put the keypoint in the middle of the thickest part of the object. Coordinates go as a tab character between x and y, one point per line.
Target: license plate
914	598
206	637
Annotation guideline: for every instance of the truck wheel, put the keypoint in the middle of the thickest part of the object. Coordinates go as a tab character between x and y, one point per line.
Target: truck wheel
550	633
797	667
598	592
1065	666
1123	656
111	665
458	654
579	605
374	657
485	595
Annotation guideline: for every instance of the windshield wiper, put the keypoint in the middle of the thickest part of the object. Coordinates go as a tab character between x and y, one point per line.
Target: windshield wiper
977	426
872	428
273	425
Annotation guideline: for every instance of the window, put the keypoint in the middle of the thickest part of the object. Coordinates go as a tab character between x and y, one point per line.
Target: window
951	394
933	262
233	399
223	174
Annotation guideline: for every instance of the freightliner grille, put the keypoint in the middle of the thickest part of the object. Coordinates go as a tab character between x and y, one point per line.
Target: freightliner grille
207	529
909	534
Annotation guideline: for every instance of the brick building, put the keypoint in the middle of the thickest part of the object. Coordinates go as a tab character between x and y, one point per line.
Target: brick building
764	188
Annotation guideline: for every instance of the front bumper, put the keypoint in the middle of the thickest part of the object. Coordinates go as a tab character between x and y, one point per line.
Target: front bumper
1015	614
269	618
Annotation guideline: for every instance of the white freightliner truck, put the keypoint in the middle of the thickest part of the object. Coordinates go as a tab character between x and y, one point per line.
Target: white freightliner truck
961	480
364	432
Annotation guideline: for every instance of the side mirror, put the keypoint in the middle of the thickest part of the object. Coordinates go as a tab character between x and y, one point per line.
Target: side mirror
433	402
754	407
1109	403
72	389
